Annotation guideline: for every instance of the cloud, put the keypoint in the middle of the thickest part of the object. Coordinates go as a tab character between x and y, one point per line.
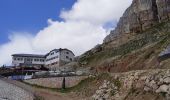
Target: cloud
18	44
84	26
96	11
77	36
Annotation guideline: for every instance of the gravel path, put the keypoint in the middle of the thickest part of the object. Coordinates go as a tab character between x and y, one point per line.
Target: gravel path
9	91
15	90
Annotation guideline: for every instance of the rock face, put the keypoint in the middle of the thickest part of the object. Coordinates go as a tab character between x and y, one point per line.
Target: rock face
151	84
141	15
105	91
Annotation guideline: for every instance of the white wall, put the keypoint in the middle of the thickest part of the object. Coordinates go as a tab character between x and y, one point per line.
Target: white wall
63	55
17	62
38	62
55	54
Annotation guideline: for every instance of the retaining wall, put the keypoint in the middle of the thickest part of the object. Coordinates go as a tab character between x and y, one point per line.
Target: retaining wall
56	82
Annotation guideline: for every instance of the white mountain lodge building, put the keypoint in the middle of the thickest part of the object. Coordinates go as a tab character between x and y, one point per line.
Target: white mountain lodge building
52	60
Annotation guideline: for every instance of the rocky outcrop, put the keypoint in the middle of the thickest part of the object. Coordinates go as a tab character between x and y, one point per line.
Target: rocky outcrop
147	83
141	15
105	91
159	83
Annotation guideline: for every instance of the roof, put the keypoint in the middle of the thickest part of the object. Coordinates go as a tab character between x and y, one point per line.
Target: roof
29	55
41	56
58	50
69	50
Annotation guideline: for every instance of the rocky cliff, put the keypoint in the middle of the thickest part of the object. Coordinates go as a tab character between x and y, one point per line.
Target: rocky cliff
141	15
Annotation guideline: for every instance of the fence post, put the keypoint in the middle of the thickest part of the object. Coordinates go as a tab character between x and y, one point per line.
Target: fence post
63	83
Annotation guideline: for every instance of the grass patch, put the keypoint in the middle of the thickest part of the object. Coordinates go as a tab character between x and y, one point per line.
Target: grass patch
163	94
117	83
155	34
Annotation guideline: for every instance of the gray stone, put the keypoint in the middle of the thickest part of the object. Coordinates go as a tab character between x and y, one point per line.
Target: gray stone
167	80
162	88
146	89
141	15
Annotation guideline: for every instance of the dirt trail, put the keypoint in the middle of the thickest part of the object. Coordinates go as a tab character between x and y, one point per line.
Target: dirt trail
52	95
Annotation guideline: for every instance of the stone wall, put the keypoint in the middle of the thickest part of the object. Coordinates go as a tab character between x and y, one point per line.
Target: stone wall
9	91
56	82
138	82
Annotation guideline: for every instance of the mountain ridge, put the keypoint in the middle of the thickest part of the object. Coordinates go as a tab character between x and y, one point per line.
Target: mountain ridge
141	15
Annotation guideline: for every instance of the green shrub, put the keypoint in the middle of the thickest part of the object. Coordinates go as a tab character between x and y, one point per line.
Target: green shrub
117	83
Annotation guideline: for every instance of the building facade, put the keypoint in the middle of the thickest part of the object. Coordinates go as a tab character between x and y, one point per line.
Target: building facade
58	57
52	60
28	60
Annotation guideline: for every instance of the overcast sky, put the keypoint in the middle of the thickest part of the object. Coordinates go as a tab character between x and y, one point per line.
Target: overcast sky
38	26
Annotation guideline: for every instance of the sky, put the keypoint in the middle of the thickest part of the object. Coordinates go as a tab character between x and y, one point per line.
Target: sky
38	26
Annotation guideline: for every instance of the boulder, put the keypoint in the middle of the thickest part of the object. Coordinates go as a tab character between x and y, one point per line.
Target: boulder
163	88
167	80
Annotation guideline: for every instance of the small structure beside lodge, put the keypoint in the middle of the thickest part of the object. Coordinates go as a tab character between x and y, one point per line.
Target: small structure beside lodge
52	60
165	54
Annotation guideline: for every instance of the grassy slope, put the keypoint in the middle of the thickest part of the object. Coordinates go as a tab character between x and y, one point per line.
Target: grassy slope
88	87
144	48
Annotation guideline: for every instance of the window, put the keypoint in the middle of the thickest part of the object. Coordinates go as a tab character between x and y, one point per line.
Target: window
15	59
18	59
42	60
56	56
67	57
29	59
52	53
67	52
36	60
71	59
